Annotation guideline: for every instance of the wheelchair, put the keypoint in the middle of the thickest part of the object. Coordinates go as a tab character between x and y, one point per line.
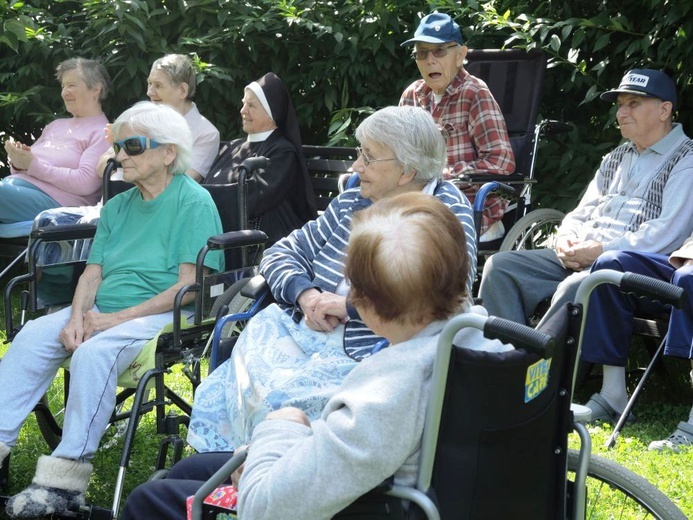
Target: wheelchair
183	342
13	247
495	443
515	78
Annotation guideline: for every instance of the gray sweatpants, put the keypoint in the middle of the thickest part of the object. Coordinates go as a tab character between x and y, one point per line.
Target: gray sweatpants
515	282
31	362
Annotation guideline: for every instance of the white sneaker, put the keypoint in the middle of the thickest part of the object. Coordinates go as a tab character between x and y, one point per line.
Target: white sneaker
681	438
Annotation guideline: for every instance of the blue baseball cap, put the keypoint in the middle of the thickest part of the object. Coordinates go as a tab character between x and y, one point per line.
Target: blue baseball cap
644	82
437	28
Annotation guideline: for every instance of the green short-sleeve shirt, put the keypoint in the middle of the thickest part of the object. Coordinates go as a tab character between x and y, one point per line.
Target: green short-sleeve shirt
140	244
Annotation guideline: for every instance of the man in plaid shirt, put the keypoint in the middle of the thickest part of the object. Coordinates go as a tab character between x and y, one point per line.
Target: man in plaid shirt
464	108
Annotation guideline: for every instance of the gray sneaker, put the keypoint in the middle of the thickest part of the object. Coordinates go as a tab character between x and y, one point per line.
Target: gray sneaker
681	438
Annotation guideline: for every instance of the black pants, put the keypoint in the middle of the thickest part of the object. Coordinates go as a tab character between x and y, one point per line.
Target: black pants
164	499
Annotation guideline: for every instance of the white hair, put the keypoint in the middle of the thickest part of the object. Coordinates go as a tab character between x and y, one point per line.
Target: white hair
413	137
163	124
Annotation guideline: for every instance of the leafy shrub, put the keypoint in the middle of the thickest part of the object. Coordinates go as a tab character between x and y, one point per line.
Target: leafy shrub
342	59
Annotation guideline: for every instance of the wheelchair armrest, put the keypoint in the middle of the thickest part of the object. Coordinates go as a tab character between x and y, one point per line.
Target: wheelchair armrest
216	480
255	287
242	238
495	186
64	232
480	178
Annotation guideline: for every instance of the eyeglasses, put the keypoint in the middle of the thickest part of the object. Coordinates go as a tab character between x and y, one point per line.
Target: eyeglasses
367	160
439	52
134	145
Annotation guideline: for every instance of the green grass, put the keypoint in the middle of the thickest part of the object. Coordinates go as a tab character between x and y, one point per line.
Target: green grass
656	418
665	402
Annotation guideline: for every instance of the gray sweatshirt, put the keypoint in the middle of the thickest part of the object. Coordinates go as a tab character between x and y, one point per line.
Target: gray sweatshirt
370	430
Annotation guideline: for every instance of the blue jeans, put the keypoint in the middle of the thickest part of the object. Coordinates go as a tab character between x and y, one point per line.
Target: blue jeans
21	201
609	324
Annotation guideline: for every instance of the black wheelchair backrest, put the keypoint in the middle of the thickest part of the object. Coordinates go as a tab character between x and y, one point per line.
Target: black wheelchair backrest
515	78
503	435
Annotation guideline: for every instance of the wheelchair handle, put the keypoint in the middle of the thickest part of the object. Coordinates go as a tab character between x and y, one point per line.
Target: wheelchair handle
111	166
521	336
552	127
652	289
254	163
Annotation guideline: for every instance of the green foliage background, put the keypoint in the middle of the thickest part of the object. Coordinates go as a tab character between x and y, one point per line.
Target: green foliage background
342	58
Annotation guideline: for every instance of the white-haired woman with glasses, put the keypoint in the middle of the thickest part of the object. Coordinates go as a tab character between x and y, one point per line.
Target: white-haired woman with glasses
296	352
144	251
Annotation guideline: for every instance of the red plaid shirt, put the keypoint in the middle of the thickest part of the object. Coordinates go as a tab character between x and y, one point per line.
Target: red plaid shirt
477	139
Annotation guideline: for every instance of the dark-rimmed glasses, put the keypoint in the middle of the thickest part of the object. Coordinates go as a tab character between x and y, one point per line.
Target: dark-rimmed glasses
135	145
438	52
367	160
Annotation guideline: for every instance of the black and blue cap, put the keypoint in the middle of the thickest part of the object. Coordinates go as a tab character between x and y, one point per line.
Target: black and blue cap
644	82
437	28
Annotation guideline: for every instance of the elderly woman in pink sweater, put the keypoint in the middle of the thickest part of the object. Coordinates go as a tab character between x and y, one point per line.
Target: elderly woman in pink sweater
59	168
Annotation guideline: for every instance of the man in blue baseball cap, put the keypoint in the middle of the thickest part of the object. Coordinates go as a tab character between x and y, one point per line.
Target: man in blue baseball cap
610	313
462	105
634	216
644	82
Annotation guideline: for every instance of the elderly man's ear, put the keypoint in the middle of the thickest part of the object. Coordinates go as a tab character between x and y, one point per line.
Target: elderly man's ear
461	55
667	110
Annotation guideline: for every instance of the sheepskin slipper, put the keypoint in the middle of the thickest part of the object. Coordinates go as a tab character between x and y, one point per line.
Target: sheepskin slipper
57	487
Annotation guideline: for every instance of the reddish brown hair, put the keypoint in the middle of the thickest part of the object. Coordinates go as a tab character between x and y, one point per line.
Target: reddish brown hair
407	259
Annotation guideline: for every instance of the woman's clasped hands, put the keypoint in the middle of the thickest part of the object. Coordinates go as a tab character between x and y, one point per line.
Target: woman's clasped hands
323	311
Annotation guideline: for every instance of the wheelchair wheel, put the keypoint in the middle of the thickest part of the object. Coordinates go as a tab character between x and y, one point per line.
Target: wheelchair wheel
236	303
49	414
233	298
536	230
616	492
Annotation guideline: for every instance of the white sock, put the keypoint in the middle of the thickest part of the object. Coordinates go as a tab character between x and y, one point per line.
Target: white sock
614	387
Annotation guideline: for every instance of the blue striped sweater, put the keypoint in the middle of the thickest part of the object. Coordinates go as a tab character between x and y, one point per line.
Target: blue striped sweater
314	257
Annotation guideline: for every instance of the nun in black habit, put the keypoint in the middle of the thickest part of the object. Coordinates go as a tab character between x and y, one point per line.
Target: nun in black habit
280	197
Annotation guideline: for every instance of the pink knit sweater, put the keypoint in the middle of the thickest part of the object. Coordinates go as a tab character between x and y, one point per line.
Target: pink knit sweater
65	158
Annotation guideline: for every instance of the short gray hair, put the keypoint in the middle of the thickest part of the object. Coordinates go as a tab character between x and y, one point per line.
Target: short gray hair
412	135
162	124
180	69
93	73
